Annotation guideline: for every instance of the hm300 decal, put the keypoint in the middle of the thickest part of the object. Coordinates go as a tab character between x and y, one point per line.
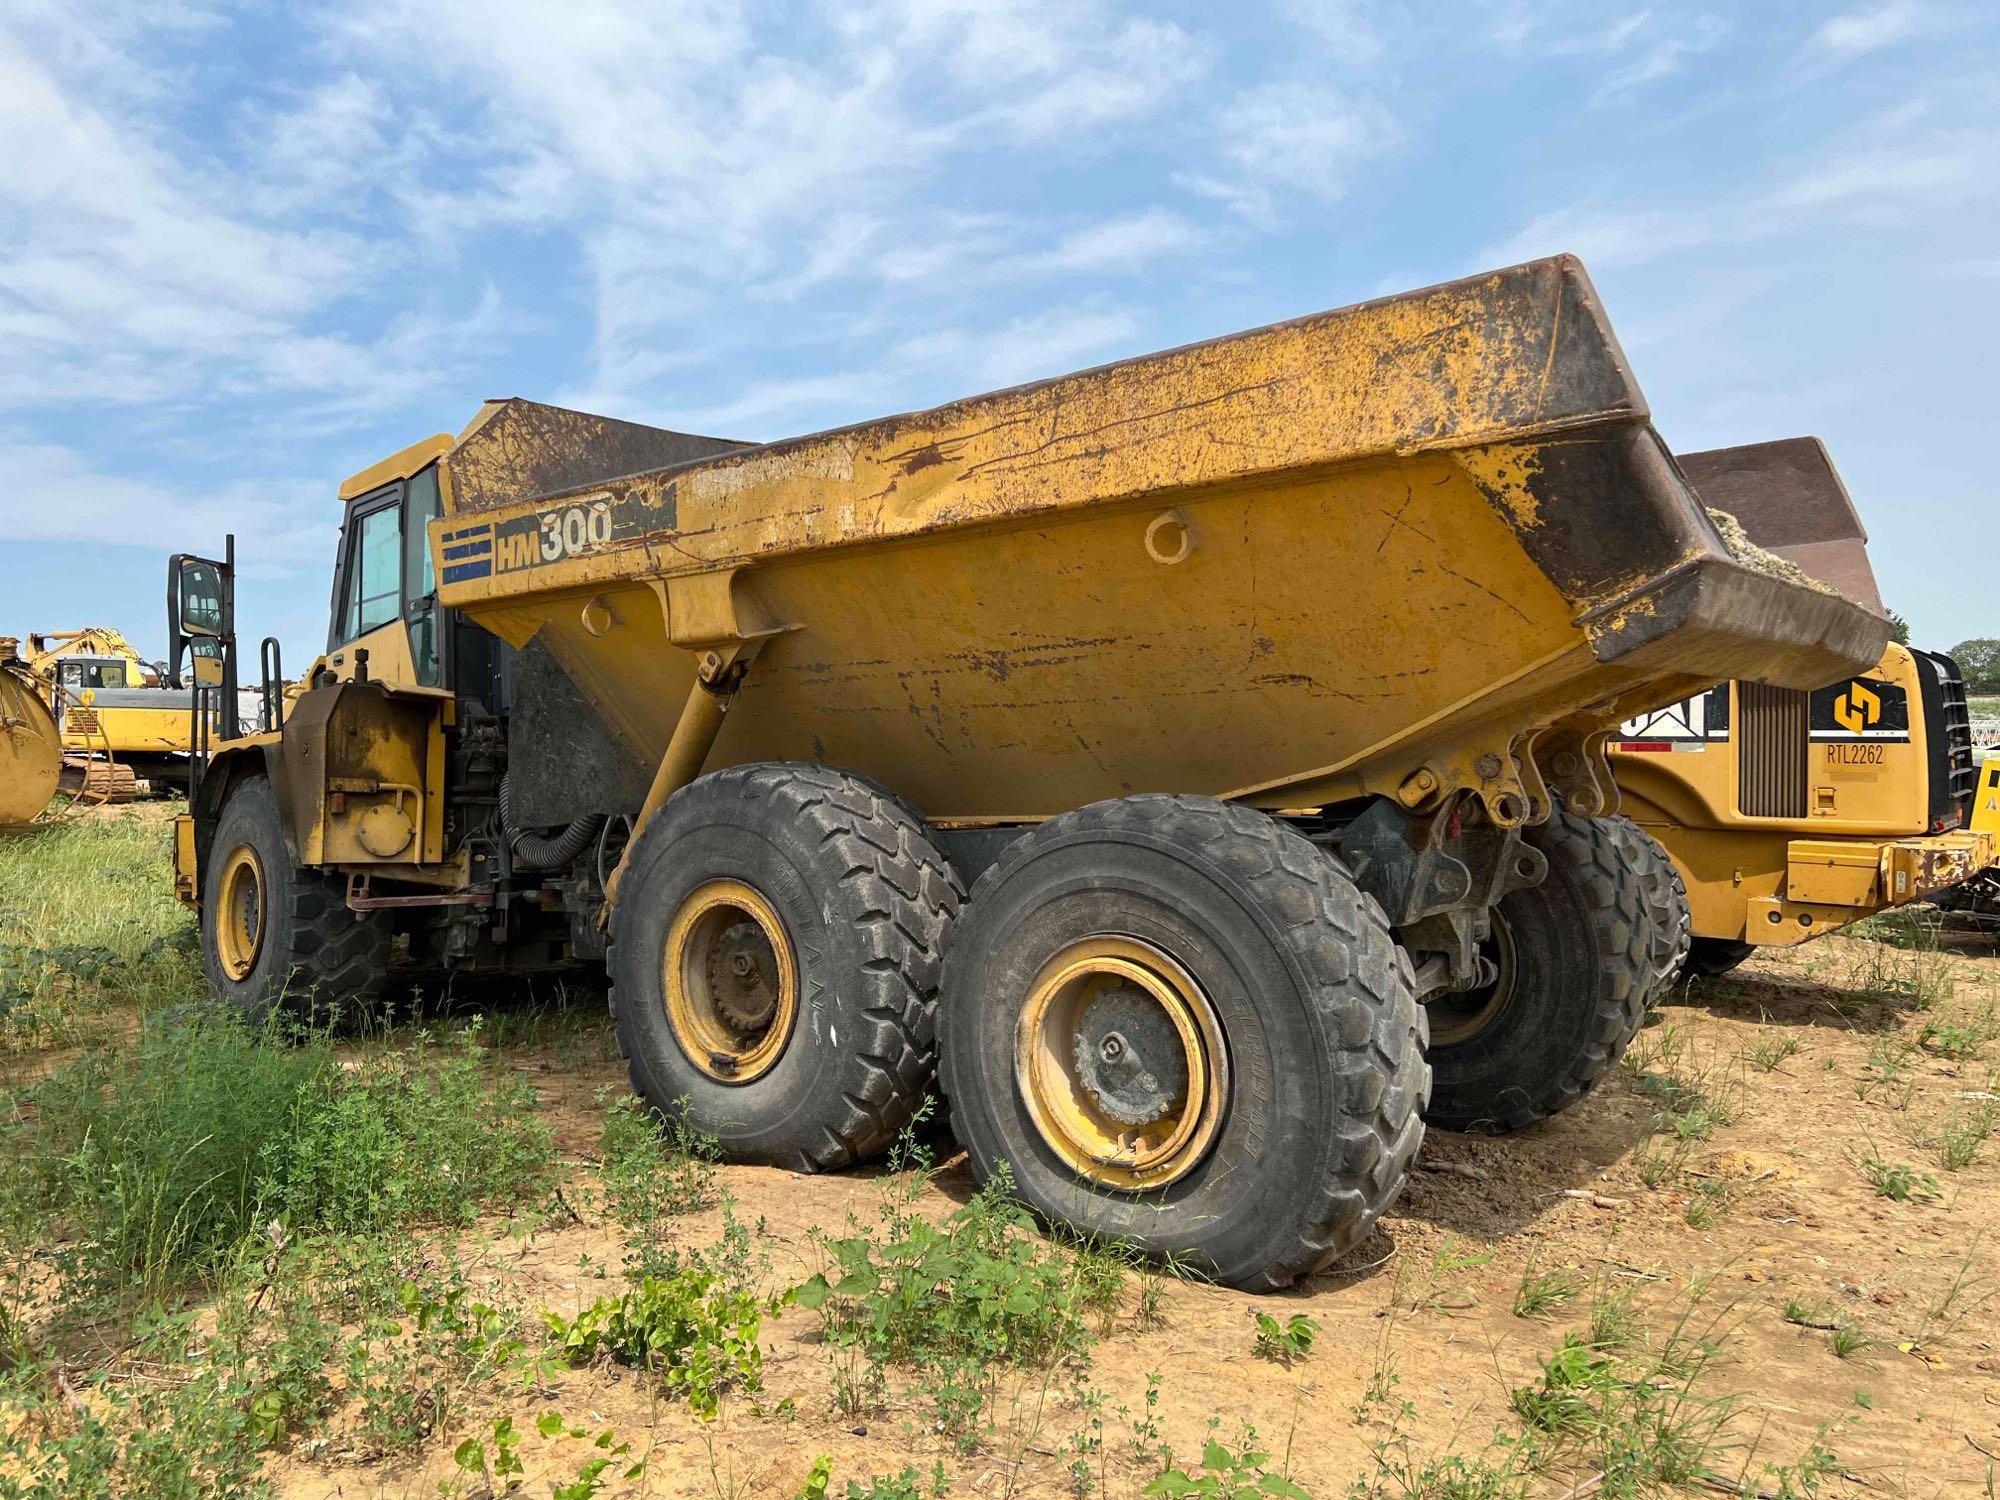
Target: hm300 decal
479	549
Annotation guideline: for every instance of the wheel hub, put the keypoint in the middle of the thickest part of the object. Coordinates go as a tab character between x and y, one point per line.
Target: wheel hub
1129	1057
743	977
1120	1060
730	981
239	915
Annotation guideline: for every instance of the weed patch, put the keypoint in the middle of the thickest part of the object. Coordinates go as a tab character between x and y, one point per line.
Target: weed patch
689	1331
148	1168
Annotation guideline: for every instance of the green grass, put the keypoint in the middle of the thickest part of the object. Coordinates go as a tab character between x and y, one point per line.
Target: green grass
1963	1133
88	928
652	1171
149	1166
1542	1292
961	1302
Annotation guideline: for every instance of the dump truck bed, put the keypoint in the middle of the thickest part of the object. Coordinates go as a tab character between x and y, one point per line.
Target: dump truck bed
1291	566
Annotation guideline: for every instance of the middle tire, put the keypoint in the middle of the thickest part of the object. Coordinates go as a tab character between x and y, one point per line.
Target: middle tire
1575	962
1182	1027
774	962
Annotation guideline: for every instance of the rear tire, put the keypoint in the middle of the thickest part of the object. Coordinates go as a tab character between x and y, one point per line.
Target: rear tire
1713	957
277	937
1665	895
774	962
1272	1016
1575	963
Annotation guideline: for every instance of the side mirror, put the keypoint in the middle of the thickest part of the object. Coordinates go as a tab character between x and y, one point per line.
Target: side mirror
200	604
205	665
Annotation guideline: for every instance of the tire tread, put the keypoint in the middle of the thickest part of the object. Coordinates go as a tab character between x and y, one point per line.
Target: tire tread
899	890
1356	974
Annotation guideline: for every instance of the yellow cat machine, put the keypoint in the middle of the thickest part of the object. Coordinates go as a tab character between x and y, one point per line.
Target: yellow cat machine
1258	689
1976	903
1787	812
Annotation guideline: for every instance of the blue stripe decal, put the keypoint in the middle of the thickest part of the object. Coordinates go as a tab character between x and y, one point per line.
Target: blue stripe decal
469	549
462	571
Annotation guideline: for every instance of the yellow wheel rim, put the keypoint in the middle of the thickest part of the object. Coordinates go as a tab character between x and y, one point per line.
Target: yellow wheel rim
239	915
730	981
1120	1059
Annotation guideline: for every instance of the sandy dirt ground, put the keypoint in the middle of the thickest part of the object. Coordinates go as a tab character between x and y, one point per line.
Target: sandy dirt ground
1819	1063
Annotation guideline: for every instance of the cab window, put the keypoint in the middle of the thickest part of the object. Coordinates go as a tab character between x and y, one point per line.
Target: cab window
420	507
79	675
374	571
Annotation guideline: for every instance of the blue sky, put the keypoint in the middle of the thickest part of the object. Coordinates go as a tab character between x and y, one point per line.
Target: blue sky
246	252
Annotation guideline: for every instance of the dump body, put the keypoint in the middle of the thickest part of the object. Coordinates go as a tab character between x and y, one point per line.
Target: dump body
1430	537
1790	813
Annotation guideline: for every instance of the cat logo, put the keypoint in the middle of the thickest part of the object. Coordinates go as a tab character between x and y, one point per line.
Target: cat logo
1857	708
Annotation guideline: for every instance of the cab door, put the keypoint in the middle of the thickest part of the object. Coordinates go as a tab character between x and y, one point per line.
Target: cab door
385	598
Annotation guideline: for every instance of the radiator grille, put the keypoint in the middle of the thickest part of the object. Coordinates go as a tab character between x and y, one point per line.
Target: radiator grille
1771	742
81	721
1958	769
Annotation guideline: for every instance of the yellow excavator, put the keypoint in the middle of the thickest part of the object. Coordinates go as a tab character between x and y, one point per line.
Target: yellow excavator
126	730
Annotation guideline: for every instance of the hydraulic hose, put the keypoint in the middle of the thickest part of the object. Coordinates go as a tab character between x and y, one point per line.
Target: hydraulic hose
534	851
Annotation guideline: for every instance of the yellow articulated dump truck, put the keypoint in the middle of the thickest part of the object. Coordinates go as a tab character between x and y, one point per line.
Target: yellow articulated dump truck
1196	763
1789	813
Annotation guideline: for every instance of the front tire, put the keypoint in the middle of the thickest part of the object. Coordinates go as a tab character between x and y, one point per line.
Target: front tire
1182	1027
277	937
1575	963
774	962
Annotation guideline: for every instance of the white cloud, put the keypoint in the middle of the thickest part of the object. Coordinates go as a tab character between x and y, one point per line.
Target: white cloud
924	369
1121	246
1635	48
702	164
1882	172
1308	140
333	142
1657	56
135	269
56	494
1604	235
1856	32
1027	348
1341	27
1929	170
